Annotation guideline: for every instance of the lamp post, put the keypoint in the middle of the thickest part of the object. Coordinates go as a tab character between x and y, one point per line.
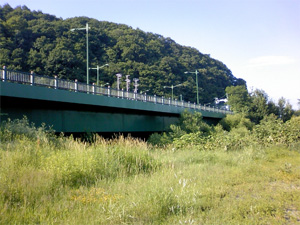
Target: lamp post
98	68
172	87
196	72
87	49
119	75
127	82
135	84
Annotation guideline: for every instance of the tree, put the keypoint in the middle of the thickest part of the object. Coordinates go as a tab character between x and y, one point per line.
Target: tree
238	98
273	108
259	106
285	109
31	40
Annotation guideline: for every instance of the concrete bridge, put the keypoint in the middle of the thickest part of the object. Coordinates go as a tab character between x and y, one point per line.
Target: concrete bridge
71	107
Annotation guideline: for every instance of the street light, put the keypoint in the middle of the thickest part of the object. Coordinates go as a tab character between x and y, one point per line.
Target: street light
127	82
144	92
98	68
172	87
87	49
196	72
136	84
119	75
103	85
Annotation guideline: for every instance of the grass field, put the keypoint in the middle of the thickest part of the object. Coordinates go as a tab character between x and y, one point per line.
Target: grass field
56	180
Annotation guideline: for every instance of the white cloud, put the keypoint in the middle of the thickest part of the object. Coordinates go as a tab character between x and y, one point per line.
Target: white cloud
271	60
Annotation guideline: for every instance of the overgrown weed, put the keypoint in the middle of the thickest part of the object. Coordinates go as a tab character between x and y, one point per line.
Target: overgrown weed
124	181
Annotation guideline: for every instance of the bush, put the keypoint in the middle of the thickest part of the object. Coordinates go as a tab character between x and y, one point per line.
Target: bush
21	129
159	139
237	132
236	120
193	122
189	124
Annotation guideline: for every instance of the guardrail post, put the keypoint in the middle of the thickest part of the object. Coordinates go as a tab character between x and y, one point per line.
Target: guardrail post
145	99
162	100
108	91
93	88
4	72
155	100
55	82
76	85
122	92
169	101
31	78
135	96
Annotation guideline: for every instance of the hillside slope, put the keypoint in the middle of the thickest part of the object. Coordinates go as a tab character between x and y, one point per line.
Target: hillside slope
43	43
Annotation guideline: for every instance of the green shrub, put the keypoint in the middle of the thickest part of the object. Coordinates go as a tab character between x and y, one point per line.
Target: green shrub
189	124
13	129
240	133
273	131
159	139
293	130
236	120
193	122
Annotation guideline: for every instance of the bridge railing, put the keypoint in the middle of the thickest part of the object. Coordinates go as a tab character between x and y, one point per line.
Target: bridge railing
54	82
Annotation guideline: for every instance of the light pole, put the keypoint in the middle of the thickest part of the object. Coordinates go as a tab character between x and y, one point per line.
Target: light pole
196	72
172	87
118	80
87	49
127	82
98	68
135	84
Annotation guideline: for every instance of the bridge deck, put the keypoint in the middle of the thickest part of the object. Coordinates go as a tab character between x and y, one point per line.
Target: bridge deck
73	111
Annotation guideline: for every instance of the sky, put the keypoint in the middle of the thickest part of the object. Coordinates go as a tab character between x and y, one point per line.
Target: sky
258	40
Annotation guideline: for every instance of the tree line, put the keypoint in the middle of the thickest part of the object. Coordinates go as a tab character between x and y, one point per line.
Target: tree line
256	105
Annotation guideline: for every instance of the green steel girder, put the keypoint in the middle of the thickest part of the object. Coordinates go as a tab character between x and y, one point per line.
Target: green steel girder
70	111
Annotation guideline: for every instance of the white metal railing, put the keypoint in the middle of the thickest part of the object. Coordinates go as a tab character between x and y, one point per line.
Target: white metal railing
54	82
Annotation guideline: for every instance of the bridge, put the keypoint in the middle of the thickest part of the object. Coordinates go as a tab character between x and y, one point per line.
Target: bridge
71	106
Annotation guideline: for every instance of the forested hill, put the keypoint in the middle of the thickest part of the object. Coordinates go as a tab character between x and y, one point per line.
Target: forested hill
43	43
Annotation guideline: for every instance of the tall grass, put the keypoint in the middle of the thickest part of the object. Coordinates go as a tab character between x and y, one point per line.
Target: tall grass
46	179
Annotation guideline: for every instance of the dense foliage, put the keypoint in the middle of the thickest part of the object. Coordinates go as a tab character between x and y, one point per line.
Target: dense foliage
256	105
234	132
43	43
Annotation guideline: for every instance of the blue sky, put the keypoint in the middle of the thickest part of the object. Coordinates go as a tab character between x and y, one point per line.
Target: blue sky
258	40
